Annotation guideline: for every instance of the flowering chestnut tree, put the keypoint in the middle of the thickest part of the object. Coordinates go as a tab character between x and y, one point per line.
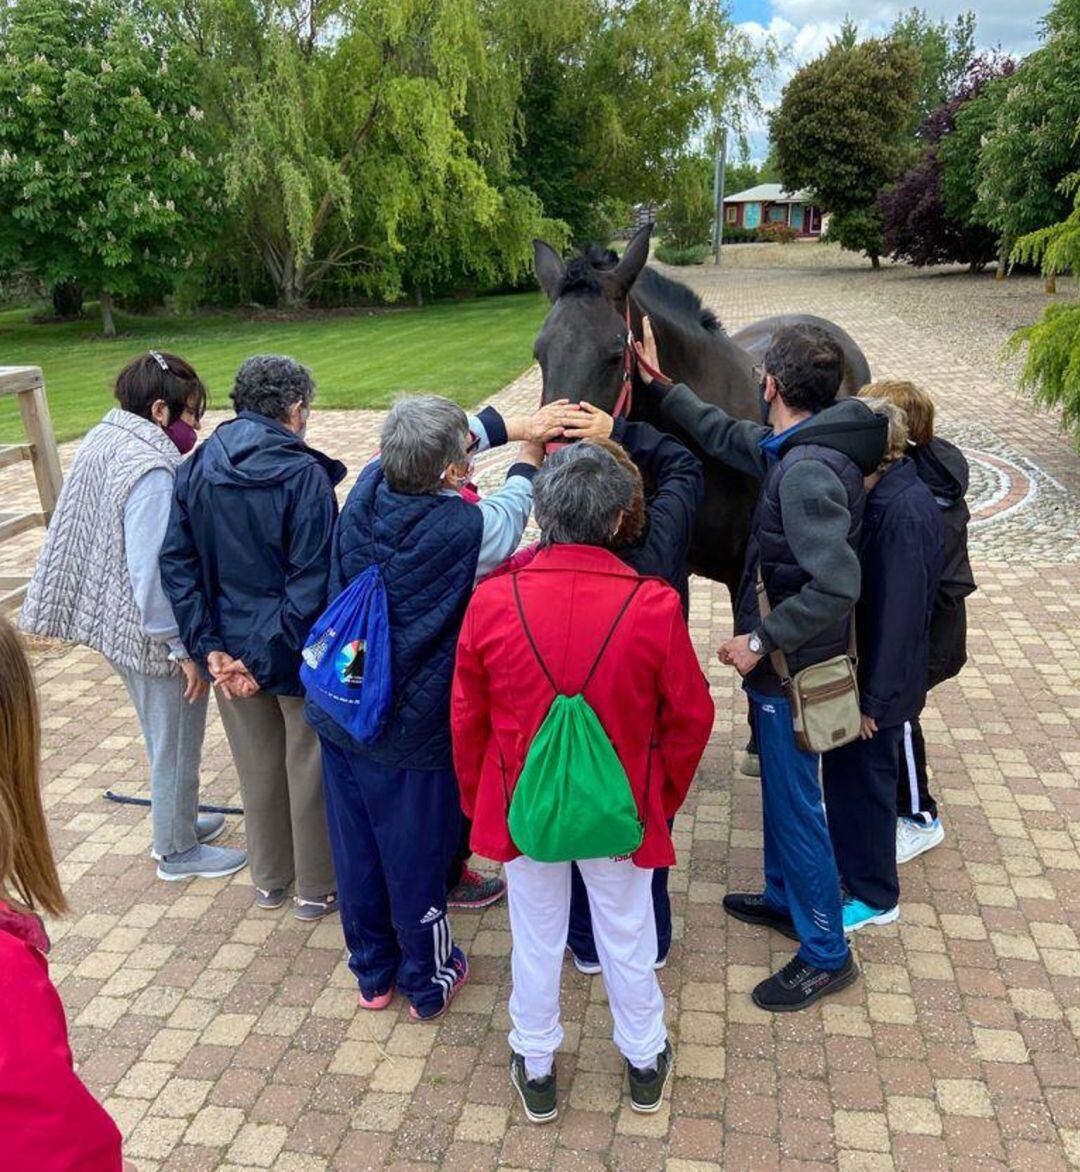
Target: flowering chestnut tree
106	162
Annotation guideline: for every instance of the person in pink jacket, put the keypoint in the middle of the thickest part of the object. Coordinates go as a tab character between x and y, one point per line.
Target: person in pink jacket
49	1121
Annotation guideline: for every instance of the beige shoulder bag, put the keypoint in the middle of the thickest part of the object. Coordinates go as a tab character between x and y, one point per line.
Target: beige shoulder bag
824	697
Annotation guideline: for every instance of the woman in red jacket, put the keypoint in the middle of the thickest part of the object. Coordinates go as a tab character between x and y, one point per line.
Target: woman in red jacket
49	1121
651	697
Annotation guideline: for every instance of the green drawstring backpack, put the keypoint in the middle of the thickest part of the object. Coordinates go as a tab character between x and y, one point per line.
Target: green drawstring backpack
573	799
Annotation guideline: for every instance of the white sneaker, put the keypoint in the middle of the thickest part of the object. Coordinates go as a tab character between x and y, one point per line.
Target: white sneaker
590	970
913	837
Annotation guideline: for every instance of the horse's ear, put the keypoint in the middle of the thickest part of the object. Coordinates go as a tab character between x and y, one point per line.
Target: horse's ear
619	280
549	267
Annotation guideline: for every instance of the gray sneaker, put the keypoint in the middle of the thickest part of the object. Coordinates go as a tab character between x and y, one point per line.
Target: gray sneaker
202	862
310	910
207	828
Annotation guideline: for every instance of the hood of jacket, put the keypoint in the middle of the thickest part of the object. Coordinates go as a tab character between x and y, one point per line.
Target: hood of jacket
943	469
252	451
848	426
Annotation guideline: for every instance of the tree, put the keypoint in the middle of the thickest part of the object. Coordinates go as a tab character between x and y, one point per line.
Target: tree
687	218
105	179
1052	364
842	130
368	141
612	99
921	226
1030	147
944	53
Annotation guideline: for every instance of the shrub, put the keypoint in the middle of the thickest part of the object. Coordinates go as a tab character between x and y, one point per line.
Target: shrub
672	254
776	233
737	234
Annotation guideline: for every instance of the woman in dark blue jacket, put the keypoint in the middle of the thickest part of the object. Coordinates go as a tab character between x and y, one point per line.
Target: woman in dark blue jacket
246	566
900	553
657	547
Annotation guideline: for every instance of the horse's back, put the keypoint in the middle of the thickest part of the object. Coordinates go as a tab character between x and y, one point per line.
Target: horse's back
756	338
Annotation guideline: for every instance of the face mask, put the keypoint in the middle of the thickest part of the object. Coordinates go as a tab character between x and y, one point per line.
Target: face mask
183	435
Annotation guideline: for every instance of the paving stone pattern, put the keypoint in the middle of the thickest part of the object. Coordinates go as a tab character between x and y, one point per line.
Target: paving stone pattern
221	1037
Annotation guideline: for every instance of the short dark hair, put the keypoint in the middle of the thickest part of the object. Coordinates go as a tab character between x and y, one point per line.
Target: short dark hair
271	385
808	365
156	375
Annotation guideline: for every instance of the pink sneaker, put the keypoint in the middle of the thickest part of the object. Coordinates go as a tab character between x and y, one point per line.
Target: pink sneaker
461	968
379	1001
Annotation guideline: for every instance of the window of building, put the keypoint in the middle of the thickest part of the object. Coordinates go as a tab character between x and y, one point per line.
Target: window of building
731	213
777	214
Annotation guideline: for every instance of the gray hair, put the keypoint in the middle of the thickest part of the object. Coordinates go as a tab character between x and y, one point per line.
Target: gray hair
578	495
421	437
896	442
271	385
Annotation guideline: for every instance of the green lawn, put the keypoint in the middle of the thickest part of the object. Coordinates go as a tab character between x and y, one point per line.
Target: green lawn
465	350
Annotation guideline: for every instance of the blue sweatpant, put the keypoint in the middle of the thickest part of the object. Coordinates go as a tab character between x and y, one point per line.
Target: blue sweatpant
393	833
800	871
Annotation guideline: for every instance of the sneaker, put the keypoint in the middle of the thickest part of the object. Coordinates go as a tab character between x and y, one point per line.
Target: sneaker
750	765
201	862
647	1086
799	984
661	963
752	909
475	891
589	967
858	915
460	966
207	828
379	1001
269	901
310	910
537	1094
914	837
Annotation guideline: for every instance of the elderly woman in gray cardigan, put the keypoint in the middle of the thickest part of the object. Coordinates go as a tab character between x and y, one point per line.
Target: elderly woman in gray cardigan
97	583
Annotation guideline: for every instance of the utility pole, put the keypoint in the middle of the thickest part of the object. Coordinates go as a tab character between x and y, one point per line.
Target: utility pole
718	191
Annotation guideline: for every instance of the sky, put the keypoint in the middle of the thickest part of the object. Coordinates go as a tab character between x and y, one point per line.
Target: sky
802	30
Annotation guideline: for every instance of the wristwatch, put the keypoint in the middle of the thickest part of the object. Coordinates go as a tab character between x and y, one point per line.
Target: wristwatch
755	644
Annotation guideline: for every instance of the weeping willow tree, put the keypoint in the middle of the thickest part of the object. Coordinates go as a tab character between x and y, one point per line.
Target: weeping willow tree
366	141
1052	364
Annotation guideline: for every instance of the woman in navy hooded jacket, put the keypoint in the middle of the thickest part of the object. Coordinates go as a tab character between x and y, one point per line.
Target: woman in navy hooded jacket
900	551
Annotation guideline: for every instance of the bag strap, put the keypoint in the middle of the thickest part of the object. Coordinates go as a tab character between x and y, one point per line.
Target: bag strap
776	657
599	654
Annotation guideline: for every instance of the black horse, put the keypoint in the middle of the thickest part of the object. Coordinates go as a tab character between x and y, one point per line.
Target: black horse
582	345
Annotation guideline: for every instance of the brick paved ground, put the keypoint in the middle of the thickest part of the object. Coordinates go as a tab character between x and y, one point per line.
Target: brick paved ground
223	1038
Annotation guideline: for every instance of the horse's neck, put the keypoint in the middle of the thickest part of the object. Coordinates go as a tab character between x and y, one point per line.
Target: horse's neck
714	367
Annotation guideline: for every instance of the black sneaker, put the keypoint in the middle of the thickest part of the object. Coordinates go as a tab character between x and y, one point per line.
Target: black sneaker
537	1094
752	909
799	984
647	1086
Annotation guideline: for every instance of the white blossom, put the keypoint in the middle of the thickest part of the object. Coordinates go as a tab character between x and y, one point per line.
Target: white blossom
196	113
106	67
170	205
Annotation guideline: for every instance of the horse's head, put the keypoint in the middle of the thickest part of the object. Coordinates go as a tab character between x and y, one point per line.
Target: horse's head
582	343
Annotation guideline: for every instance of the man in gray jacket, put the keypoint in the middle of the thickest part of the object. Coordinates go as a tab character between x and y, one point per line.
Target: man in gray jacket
811	457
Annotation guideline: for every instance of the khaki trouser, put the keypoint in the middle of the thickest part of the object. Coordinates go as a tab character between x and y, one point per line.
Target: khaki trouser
278	759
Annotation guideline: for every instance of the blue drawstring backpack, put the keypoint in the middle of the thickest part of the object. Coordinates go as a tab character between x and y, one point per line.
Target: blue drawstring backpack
346	660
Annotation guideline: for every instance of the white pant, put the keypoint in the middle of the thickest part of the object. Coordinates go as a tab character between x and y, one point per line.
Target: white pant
620	900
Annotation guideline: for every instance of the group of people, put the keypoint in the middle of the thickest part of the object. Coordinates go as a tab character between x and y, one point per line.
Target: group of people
561	666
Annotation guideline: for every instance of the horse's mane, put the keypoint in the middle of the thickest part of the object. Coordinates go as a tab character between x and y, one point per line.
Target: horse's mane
660	296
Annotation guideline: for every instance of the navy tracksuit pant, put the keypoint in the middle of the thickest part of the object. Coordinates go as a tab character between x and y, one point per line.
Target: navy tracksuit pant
860	797
393	833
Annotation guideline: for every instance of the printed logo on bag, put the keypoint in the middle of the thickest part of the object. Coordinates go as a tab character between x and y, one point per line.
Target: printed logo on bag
350	663
313	655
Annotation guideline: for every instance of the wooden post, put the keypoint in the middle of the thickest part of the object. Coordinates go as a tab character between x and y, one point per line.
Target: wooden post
28	385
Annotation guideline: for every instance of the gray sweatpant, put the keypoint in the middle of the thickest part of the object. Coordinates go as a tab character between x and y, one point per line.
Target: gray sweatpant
278	759
173	731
